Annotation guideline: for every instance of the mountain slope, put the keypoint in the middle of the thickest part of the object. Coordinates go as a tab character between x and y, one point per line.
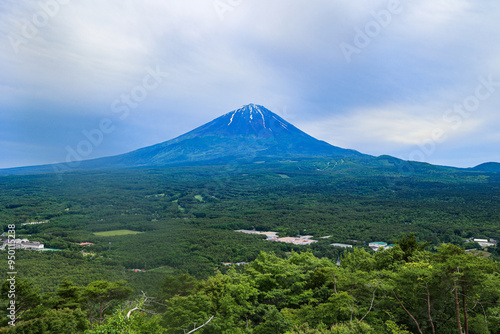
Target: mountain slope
247	133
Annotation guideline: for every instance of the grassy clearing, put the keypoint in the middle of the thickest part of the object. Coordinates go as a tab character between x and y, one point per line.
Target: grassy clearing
115	233
164	270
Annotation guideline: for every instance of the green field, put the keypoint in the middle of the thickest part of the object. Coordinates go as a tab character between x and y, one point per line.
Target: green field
115	233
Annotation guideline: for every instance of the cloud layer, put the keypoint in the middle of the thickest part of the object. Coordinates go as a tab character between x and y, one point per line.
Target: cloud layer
377	76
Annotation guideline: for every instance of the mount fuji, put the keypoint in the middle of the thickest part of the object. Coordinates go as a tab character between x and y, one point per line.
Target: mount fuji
248	133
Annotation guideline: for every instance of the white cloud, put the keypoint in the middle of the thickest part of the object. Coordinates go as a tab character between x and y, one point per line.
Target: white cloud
278	53
392	128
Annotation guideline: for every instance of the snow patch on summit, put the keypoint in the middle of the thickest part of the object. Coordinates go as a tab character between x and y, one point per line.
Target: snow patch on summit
263	119
250	107
249	110
231	121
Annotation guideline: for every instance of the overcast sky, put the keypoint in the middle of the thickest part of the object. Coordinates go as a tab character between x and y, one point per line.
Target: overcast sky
418	80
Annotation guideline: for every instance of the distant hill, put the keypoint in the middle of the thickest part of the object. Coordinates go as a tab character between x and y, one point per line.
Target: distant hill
491	167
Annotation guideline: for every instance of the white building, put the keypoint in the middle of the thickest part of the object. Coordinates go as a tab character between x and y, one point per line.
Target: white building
376	245
21	244
32	245
341	245
484	242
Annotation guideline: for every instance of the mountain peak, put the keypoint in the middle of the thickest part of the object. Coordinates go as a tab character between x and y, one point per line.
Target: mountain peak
254	128
251	120
247	133
248	111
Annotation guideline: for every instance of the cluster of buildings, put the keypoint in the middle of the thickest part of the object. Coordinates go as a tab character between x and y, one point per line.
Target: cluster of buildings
300	240
484	243
21	244
376	245
273	236
306	240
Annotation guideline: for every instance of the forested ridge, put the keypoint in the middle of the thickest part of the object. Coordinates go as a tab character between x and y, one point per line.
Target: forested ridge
177	225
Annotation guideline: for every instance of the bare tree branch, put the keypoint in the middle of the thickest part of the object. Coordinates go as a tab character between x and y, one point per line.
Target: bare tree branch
371	306
206	323
143	301
334	283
